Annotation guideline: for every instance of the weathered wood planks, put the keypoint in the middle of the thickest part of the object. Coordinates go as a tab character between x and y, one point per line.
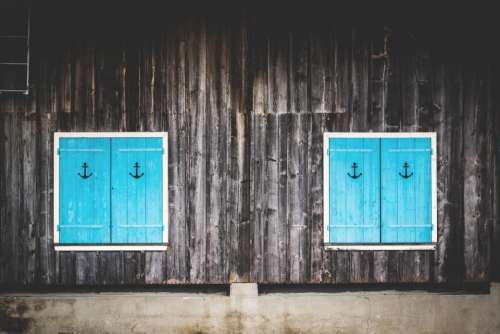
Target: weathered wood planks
245	101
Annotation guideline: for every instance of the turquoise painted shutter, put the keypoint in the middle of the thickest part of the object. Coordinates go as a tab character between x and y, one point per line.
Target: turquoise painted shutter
354	212
406	190
137	190
84	190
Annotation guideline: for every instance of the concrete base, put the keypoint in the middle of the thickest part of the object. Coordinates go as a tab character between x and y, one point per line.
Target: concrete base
246	312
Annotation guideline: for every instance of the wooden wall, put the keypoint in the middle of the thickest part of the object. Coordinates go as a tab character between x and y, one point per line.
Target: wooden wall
245	99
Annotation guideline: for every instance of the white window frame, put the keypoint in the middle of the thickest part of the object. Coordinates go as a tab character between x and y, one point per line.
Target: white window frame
111	247
326	196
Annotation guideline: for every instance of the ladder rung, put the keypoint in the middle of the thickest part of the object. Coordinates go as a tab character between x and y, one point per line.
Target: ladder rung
15	64
14	36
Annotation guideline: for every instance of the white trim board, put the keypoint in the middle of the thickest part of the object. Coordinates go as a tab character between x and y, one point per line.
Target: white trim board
59	135
109	247
326	195
376	247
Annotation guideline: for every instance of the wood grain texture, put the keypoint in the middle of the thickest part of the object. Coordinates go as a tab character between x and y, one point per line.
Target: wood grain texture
245	100
477	166
448	103
178	256
495	249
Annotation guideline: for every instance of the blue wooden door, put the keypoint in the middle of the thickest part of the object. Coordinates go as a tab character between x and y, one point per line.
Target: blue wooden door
84	190
406	190
354	190
137	190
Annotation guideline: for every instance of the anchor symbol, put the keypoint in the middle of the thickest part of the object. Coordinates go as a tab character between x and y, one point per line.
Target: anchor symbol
354	176
136	176
406	175
85	175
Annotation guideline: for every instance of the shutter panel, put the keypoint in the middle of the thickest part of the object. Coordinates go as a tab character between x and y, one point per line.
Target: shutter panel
406	190
354	212
137	190
84	187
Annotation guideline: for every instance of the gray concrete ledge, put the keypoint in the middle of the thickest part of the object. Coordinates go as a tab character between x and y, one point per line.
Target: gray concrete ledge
244	311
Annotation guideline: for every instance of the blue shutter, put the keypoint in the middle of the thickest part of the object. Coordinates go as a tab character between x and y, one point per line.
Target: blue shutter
84	190
354	190
137	190
406	190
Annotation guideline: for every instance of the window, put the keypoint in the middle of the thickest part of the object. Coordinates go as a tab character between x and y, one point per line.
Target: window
110	191
14	46
380	190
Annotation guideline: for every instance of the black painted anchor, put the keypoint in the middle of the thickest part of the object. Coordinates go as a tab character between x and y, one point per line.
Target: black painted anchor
354	176
136	176
406	175
85	175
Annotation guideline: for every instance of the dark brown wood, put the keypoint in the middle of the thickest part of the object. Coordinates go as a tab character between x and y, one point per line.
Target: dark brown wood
297	194
477	213
246	100
495	249
217	147
178	259
342	87
315	185
448	102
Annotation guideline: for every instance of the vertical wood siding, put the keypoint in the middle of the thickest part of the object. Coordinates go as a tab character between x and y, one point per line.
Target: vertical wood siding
245	102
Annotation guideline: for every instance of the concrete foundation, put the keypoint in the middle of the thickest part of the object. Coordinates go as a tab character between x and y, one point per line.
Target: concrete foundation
244	311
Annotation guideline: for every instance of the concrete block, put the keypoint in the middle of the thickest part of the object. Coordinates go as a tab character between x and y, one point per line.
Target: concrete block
244	290
384	312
